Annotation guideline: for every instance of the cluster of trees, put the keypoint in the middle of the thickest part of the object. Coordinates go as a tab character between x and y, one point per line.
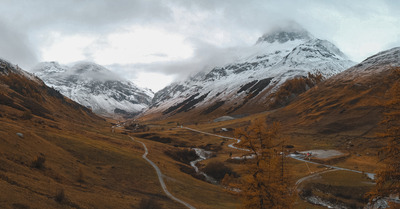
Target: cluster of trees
388	178
291	88
267	183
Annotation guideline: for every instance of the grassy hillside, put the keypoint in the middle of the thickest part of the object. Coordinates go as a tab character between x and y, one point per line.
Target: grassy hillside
55	153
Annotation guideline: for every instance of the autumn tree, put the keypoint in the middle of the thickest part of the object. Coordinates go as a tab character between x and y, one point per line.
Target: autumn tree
266	184
293	87
388	178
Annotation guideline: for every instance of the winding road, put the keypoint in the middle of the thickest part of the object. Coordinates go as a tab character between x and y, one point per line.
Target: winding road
296	157
160	176
220	136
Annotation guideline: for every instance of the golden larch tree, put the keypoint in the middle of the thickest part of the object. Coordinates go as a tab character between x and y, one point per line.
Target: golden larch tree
388	178
266	185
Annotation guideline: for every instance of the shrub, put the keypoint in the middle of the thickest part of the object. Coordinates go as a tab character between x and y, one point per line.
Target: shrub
149	204
218	170
27	115
38	162
20	206
60	196
81	176
293	87
35	108
184	155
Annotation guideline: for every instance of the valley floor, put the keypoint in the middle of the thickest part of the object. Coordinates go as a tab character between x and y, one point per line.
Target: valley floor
95	166
356	164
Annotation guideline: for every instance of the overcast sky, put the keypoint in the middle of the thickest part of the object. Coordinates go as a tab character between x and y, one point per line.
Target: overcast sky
153	42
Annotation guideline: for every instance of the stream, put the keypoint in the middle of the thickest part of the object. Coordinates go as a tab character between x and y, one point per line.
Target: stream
203	155
313	199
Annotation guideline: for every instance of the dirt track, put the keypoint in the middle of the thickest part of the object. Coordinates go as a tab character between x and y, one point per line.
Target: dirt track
160	177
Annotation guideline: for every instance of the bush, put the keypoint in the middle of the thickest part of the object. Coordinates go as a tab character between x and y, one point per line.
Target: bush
20	206
149	204
184	156
291	88
307	192
60	196
81	176
218	170
38	162
189	170
35	108
27	115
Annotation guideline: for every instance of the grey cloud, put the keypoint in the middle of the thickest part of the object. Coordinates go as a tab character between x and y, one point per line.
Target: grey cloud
205	58
158	55
15	46
82	16
216	29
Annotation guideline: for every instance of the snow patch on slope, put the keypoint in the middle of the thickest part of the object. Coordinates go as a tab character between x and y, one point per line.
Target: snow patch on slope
6	67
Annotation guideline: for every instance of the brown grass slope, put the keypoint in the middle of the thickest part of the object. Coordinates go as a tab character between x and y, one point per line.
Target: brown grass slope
341	113
350	103
55	153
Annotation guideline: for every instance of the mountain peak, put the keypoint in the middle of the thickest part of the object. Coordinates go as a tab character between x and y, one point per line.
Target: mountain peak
48	67
96	87
84	66
285	34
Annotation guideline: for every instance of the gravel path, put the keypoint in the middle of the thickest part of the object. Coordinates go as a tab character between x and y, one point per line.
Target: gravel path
322	153
160	177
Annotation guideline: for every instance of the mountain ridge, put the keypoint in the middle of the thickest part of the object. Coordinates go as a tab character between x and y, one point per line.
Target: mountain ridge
282	56
95	87
349	103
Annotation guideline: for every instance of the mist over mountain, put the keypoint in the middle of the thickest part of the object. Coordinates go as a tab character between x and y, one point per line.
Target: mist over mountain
95	87
245	85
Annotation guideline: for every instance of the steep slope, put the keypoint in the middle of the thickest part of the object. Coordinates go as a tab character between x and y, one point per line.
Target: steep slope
95	87
23	92
245	86
349	103
55	153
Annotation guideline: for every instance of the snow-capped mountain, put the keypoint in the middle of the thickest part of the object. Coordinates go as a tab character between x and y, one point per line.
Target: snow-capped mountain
95	87
24	94
276	57
7	67
349	103
377	63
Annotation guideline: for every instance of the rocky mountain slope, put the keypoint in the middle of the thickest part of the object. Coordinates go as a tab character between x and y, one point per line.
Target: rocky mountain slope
245	86
26	96
95	87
